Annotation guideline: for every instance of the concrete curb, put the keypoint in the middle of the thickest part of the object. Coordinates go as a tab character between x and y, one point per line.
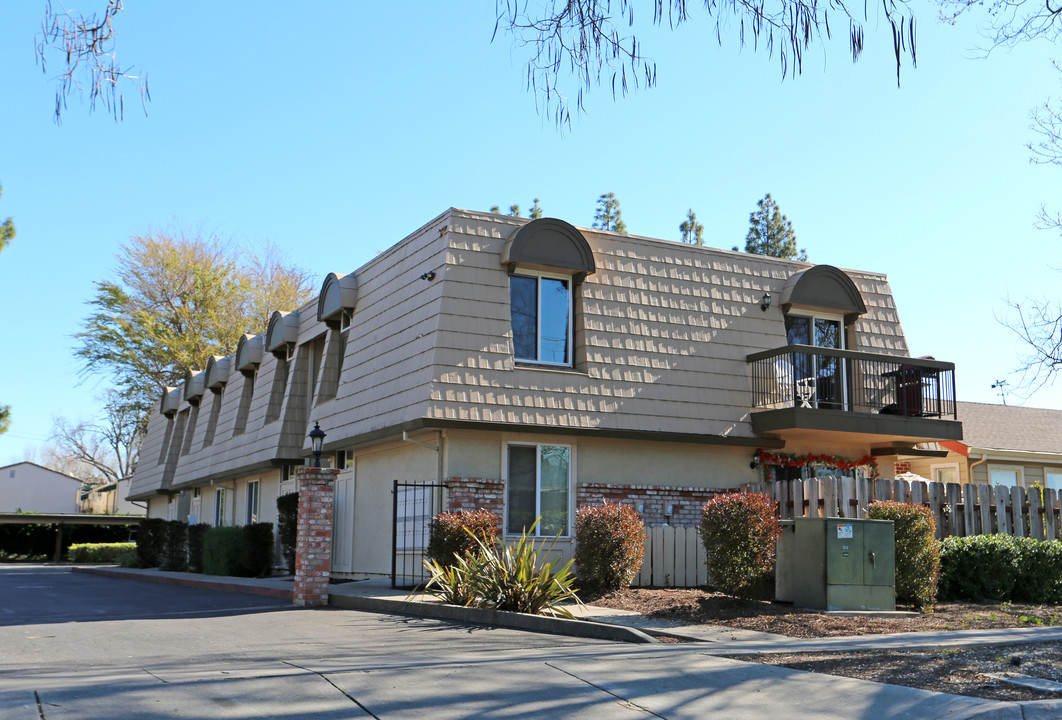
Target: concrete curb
187	582
498	618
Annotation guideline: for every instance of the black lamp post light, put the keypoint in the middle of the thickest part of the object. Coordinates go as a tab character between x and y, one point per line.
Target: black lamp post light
765	301
317	436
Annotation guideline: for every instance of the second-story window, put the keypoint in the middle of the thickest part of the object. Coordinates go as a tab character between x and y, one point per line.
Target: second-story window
541	311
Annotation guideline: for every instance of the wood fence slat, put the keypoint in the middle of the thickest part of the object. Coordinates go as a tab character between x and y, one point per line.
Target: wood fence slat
645	575
668	570
797	494
1050	516
952	493
863	490
848	494
984	500
1003	517
918	492
783	501
1017	505
829	497
658	556
678	549
969	510
936	501
811	488
882	489
1036	517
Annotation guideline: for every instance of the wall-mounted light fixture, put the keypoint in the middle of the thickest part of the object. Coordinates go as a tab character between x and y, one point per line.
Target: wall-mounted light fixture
755	462
765	301
317	436
429	276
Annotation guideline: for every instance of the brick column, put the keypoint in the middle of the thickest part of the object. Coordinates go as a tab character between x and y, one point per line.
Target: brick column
313	549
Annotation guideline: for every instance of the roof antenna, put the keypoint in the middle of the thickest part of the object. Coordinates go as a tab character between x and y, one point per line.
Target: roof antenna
1000	385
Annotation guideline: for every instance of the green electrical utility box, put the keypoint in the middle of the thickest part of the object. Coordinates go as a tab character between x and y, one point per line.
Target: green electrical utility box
837	564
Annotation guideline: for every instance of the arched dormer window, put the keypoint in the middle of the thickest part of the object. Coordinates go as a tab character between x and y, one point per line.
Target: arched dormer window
545	259
282	334
171	400
823	288
217	372
249	352
194	386
339	295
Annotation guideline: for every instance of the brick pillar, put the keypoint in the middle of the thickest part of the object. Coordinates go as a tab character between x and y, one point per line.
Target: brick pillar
313	549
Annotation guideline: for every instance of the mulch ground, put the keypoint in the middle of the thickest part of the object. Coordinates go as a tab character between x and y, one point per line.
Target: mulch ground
963	672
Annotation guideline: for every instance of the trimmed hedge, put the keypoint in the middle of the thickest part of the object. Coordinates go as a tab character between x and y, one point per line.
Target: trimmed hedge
740	532
1001	567
609	546
100	552
288	527
174	555
239	551
453	534
917	551
150	542
196	533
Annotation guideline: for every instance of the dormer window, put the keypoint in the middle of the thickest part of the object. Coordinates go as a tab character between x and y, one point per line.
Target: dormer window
546	260
541	310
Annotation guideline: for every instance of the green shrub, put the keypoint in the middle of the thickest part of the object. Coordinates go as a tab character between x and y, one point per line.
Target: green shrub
222	551
239	551
196	534
99	552
150	542
505	577
917	551
37	541
288	527
257	551
609	546
174	546
740	532
454	534
1001	567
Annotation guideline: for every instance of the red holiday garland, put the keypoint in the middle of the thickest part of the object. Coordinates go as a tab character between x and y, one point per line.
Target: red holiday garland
835	461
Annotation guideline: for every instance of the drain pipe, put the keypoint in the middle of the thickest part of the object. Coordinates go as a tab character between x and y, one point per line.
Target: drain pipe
440	450
971	466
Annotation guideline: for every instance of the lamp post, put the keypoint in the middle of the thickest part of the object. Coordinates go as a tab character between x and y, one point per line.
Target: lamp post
317	436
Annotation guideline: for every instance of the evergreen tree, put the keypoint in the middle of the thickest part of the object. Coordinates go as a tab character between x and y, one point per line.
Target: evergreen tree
495	209
7	231
692	231
771	233
514	211
608	216
536	211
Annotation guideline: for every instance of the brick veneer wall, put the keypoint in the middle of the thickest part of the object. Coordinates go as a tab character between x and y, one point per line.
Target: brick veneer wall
475	493
901	467
686	502
313	548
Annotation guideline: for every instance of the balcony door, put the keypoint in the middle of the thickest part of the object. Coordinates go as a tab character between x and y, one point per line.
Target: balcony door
824	374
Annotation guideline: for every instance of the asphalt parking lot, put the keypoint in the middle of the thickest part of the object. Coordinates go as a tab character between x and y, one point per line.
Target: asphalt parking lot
83	647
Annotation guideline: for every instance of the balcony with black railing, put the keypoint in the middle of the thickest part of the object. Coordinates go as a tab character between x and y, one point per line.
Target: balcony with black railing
801	389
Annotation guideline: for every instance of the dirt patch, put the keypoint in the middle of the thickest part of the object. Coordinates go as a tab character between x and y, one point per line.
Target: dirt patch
960	672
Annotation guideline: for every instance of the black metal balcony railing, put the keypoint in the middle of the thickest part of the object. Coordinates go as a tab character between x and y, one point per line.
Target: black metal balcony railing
823	378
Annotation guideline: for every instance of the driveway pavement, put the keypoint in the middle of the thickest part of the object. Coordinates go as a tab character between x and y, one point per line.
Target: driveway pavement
83	647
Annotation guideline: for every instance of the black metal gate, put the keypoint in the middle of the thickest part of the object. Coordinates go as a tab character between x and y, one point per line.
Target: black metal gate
415	504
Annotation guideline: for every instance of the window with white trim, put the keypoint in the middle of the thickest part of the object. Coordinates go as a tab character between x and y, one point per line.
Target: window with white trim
945	473
540	307
1053	478
219	507
539	485
252	502
1008	475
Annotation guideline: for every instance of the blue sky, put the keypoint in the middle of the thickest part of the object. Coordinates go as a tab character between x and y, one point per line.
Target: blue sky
336	129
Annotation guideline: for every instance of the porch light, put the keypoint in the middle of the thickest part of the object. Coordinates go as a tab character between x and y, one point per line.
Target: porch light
765	301
317	436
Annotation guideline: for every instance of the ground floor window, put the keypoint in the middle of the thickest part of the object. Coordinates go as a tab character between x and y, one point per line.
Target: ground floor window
252	502
1003	475
774	473
539	483
219	507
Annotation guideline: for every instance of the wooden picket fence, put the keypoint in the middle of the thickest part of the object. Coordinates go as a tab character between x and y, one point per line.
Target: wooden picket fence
960	510
674	557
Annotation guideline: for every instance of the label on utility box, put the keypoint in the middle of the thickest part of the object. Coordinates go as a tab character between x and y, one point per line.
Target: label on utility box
844	530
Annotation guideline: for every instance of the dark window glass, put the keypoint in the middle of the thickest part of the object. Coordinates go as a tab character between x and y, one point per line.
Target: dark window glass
523	307
521	487
554	490
797	330
556	302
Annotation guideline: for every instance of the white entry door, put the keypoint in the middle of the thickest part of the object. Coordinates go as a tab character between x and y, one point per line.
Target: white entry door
343	523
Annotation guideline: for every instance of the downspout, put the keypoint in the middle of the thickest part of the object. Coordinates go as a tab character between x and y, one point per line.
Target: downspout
971	465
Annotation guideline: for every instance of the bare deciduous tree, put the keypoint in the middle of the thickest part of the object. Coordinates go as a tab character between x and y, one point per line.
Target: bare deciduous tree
109	448
88	44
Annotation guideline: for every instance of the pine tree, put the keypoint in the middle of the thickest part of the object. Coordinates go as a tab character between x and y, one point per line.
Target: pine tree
536	211
692	231
771	233
608	216
7	230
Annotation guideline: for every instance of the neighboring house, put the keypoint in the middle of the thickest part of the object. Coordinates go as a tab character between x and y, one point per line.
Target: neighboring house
534	367
1001	445
29	487
108	499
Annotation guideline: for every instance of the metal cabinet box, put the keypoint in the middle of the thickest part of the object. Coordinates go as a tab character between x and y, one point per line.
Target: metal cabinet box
837	564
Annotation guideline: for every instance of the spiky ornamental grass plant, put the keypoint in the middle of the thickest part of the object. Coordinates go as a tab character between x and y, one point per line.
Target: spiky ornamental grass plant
506	577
